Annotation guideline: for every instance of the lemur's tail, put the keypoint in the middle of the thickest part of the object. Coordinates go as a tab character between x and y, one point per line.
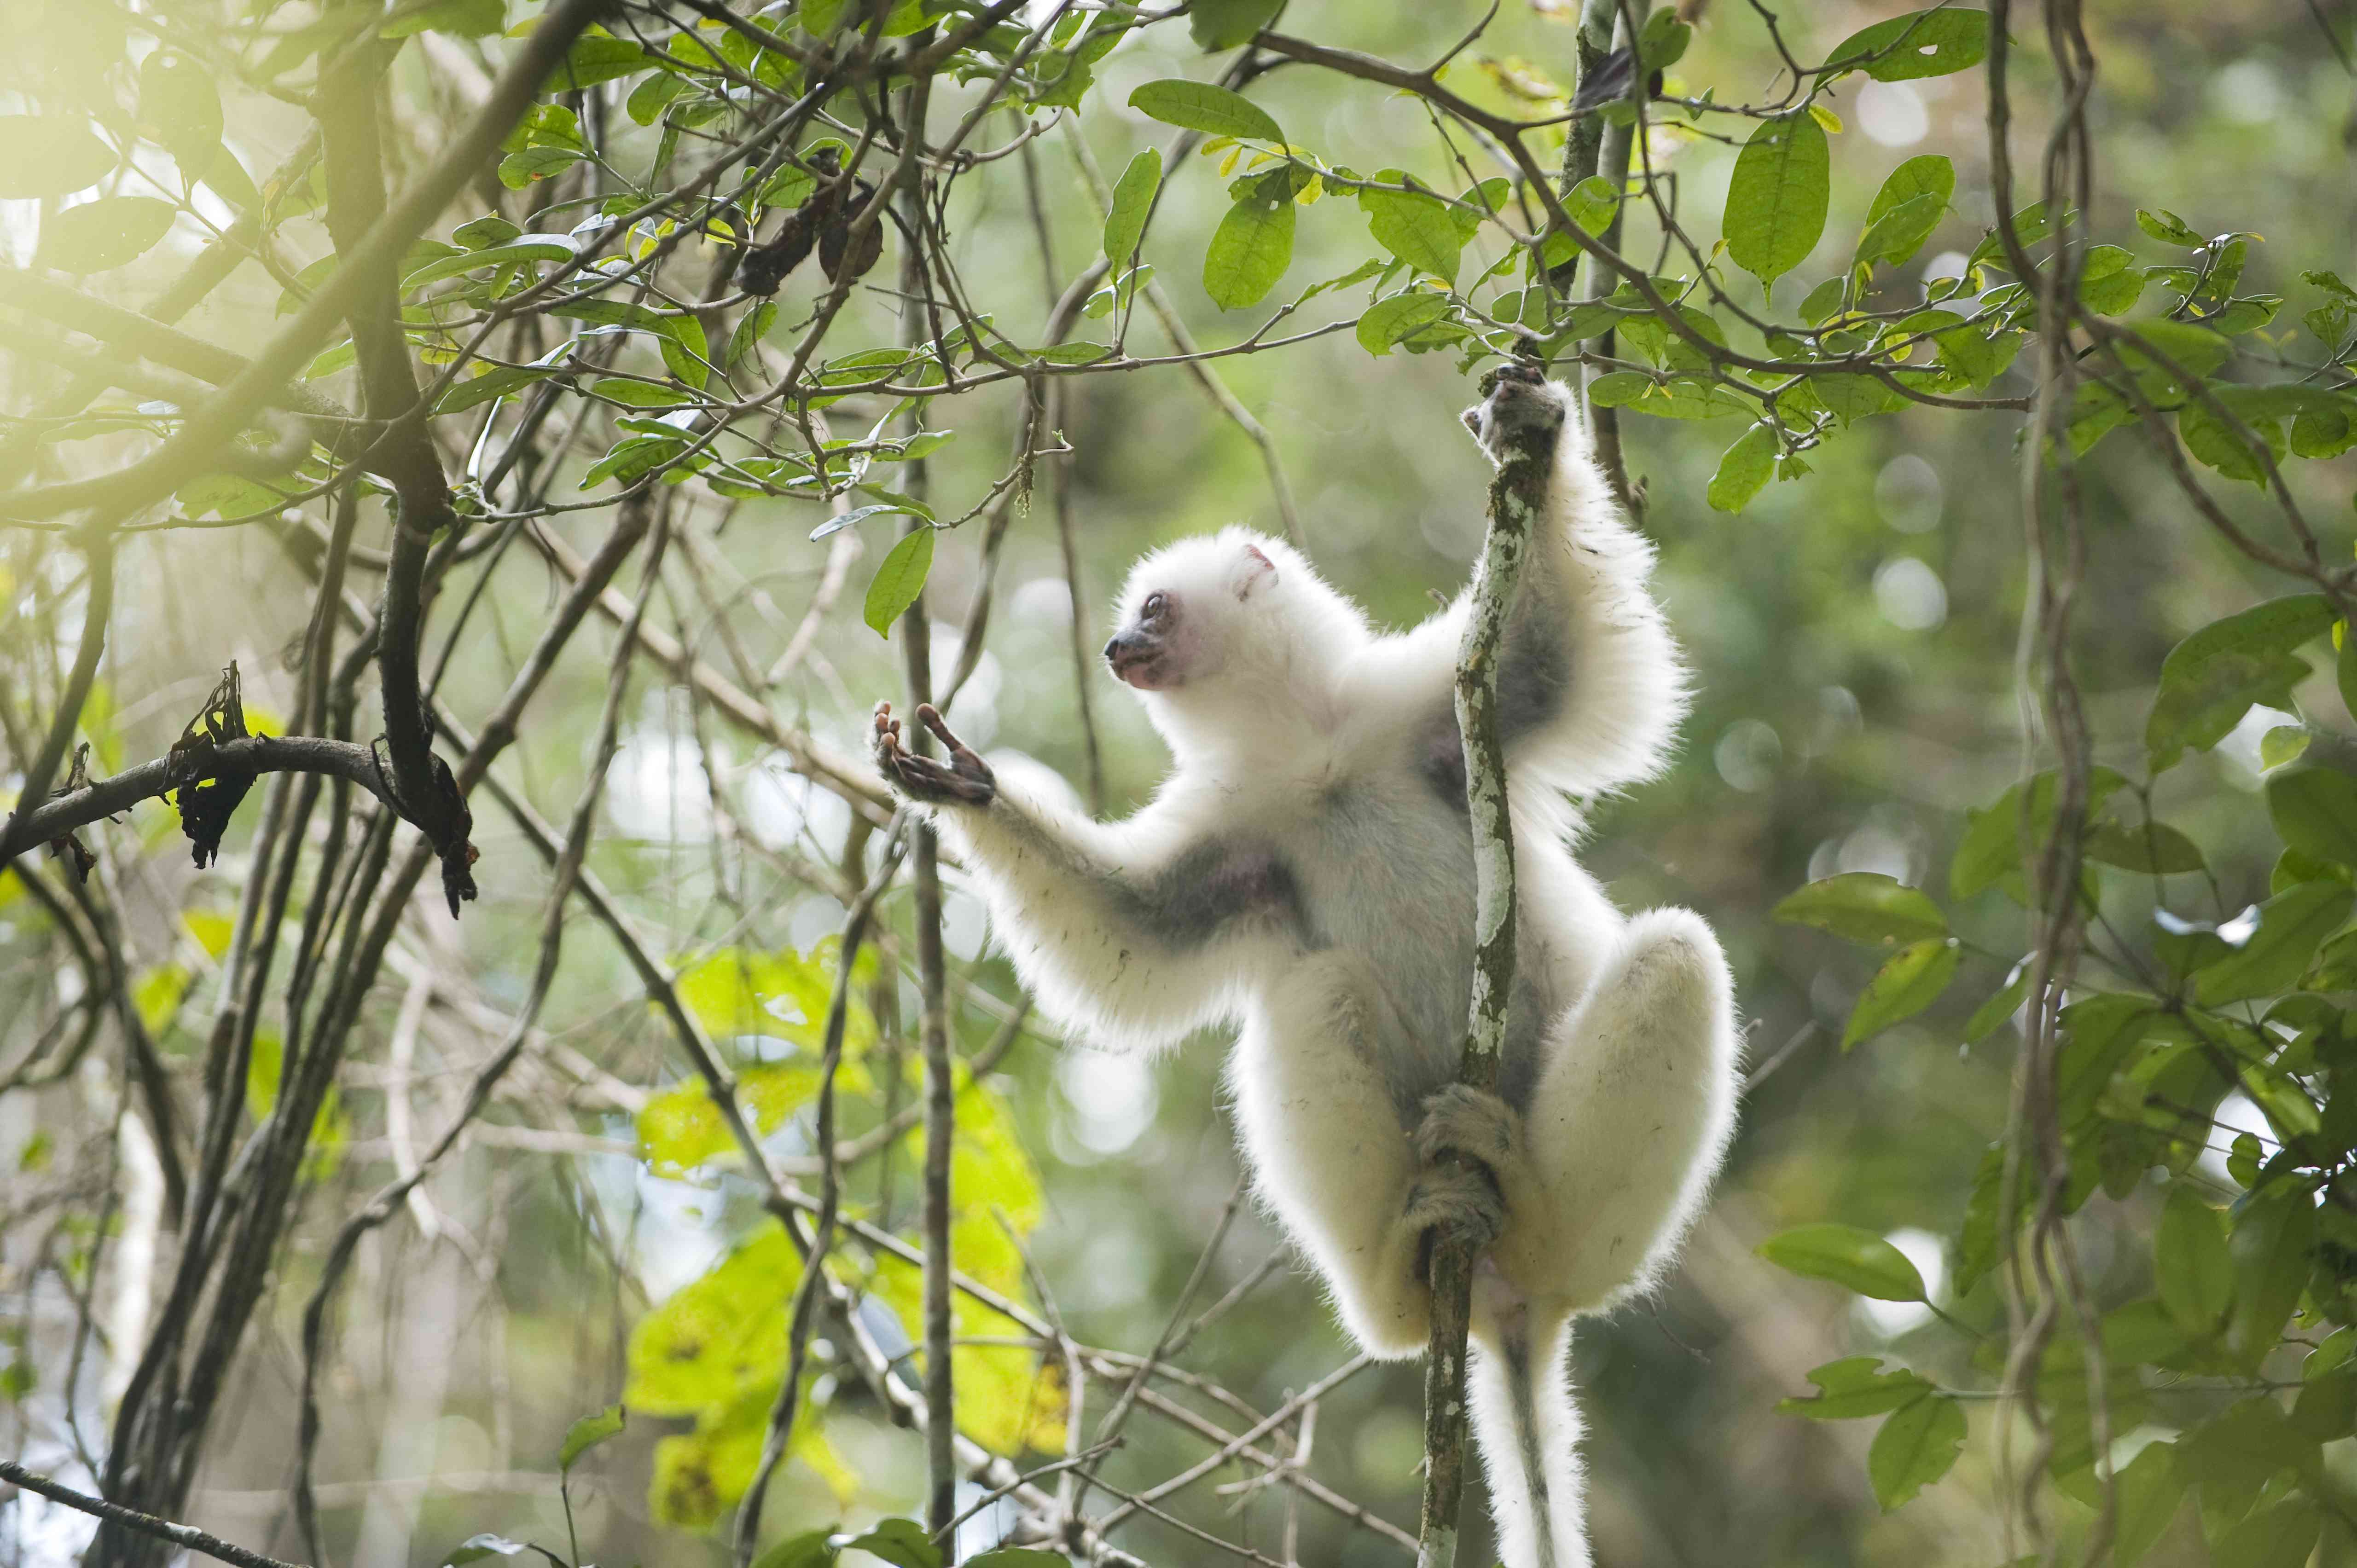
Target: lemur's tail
1529	1432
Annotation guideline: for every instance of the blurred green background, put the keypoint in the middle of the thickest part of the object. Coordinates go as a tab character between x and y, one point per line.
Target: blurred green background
1853	636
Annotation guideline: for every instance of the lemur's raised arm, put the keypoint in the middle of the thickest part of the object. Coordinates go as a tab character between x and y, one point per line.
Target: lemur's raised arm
1130	931
1306	870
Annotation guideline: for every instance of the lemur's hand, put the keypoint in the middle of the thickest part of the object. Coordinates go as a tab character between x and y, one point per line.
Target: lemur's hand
1521	410
965	780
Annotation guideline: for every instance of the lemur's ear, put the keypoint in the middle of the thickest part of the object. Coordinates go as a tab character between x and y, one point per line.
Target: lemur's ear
1252	568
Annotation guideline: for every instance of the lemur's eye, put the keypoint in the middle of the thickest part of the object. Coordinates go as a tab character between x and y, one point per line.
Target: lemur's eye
1154	606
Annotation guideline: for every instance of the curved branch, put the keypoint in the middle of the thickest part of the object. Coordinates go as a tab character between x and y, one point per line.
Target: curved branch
235	759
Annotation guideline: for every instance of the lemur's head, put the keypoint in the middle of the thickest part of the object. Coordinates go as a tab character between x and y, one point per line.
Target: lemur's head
1234	616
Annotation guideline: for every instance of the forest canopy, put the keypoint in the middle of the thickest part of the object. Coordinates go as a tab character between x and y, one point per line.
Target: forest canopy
485	1069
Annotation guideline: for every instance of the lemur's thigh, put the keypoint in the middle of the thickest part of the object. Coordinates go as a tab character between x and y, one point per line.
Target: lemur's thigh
1629	1117
1327	1148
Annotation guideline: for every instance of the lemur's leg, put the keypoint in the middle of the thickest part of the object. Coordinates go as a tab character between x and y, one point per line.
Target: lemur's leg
1322	1127
1607	1167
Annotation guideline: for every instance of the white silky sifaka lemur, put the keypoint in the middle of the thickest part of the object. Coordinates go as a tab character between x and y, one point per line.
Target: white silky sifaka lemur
1307	871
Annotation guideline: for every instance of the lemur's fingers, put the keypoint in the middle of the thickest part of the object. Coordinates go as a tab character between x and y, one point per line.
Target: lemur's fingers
1469	1121
1458	1201
930	717
962	756
965	780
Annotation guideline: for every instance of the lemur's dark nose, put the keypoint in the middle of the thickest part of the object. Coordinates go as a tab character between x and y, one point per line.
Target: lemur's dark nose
1112	646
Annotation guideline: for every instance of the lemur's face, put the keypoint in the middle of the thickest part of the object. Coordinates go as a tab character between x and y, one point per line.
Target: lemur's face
1192	620
1154	650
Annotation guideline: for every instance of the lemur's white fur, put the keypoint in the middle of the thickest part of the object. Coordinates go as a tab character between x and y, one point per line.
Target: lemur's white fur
1304	873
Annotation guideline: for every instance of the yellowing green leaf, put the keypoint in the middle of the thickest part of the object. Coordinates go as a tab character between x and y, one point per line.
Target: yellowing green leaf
1909	982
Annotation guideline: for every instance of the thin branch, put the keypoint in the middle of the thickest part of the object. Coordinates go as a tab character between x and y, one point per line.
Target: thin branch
182	1535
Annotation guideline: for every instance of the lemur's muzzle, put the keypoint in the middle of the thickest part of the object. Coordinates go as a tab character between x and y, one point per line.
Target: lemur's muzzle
1136	658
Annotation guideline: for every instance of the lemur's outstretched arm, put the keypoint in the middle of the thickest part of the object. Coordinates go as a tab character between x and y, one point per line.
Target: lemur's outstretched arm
1134	932
1590	687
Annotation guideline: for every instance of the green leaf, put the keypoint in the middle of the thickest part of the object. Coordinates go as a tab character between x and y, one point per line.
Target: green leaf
2146	1494
538	250
1415	226
480	233
1743	470
2191	1263
2151	848
898	581
180	109
810	1549
1591	204
2273	1235
1899	234
1399	317
902	1542
2215	443
49	154
1928	175
1992	1014
2281	1535
1223	24
519	170
466	18
1915	1447
1776	201
1132	198
1848	1256
1674	397
2210	680
99	235
1855	1386
1920	44
2284	744
1664	42
1864	906
2315	809
1911	980
751	327
1251	248
497	381
1200	106
2325	432
597	56
2168	227
586	1434
2291	924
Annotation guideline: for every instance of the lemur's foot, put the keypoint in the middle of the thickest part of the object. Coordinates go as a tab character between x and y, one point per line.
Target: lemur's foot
1520	407
965	780
1473	1123
1457	1201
